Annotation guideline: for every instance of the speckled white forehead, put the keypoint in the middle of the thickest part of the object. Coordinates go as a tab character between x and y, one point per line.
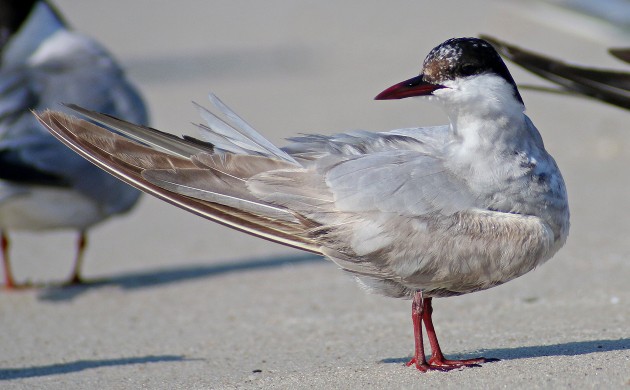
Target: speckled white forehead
441	62
452	49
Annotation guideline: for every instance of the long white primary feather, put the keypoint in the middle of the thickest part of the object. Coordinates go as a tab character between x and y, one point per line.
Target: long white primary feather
242	127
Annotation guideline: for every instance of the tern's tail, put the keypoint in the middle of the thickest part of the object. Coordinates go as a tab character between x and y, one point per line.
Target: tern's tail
206	178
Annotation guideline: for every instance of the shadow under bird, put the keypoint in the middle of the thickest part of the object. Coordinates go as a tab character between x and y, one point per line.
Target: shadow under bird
44	185
610	86
414	213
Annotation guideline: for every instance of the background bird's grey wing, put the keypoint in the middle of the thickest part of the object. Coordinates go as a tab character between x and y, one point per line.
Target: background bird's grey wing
87	75
607	85
26	151
26	145
16	146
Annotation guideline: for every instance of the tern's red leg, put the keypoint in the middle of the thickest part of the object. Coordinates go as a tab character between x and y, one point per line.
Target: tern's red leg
437	358
418	359
9	282
75	277
421	311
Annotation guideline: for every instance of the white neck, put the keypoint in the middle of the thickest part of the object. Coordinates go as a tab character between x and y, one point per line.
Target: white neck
484	113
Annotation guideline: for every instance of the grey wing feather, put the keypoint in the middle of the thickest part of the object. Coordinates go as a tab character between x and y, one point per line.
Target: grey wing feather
241	131
367	191
226	137
403	182
399	172
222	143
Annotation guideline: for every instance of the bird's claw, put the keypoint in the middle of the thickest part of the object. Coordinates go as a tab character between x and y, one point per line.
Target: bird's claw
435	364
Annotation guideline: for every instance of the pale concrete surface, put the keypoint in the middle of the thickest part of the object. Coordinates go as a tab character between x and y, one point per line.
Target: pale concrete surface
188	304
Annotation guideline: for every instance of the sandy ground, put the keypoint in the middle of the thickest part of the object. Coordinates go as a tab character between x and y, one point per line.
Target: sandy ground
187	304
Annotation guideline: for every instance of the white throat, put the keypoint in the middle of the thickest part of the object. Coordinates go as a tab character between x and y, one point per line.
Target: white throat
483	111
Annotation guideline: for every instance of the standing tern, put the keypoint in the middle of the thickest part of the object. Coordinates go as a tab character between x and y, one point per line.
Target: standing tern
43	185
610	86
413	213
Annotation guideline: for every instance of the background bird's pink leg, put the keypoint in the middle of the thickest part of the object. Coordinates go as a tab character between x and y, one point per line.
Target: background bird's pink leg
75	277
9	282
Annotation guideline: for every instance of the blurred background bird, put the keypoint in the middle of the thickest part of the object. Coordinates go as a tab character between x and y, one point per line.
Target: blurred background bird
607	85
43	184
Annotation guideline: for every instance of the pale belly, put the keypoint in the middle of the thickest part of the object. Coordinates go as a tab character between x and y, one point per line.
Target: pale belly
467	252
43	208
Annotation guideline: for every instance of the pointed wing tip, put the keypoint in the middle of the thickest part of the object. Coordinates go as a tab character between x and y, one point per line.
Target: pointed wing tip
48	116
495	42
621	53
201	109
60	124
78	109
505	49
488	38
52	119
218	104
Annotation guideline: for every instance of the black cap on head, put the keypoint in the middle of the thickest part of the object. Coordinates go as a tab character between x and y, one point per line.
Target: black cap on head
453	59
462	57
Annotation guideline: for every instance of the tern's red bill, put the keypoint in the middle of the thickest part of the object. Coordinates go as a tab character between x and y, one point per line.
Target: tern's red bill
415	86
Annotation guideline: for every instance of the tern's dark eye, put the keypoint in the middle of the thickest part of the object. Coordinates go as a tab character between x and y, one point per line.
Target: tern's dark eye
468	69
